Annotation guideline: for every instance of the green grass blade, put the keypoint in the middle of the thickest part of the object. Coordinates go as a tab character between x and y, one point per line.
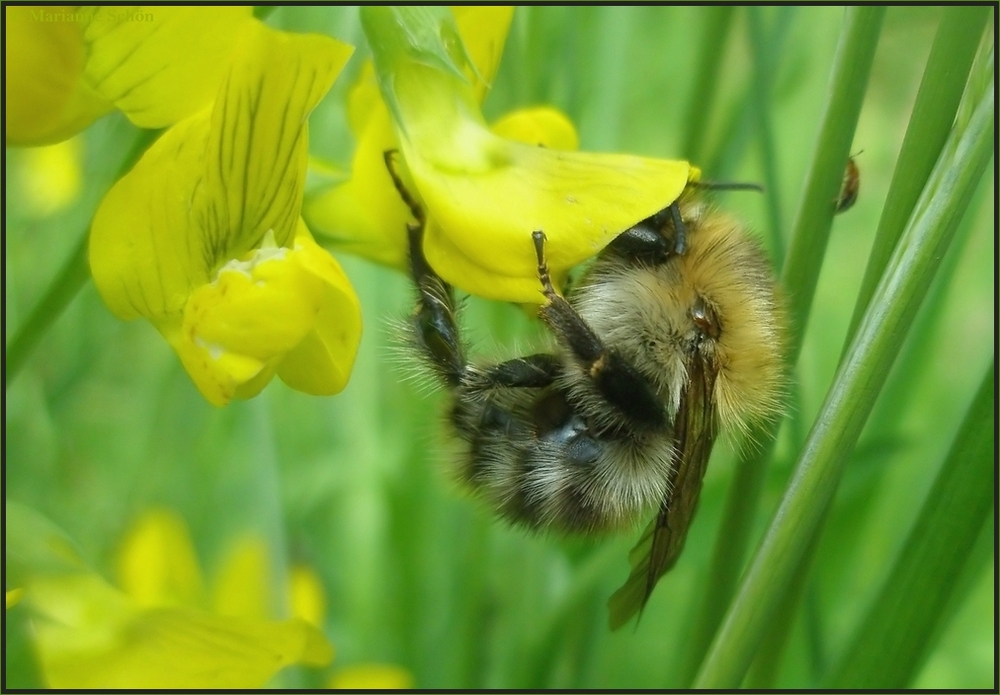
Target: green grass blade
851	398
738	123
601	120
712	47
767	662
913	361
891	643
919	355
68	282
765	62
811	229
927	113
933	114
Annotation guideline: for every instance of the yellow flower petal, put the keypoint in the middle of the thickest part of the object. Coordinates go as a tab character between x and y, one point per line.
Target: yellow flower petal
484	31
441	252
241	585
46	97
362	99
157	565
253	313
306	596
287	310
147	251
482	243
179	239
365	214
90	636
258	150
488	194
160	64
52	176
260	308
542	126
218	374
322	361
167	226
372	677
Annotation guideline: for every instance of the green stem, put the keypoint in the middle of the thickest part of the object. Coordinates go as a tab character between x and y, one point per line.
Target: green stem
604	107
68	282
810	232
859	380
738	127
552	627
811	228
937	78
933	113
767	661
890	645
712	47
764	68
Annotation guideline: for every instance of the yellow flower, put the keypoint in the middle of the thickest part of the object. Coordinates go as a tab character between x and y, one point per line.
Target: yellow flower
52	176
485	194
46	97
371	677
67	66
157	632
365	215
203	237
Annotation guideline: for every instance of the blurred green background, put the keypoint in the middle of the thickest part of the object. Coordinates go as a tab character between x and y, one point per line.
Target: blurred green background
103	422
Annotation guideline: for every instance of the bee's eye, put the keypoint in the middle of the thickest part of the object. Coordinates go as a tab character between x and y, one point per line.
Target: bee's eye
705	318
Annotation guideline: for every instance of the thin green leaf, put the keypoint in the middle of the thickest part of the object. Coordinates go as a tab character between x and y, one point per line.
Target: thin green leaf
68	282
765	67
810	232
739	121
715	35
892	642
811	227
603	106
768	659
933	114
850	400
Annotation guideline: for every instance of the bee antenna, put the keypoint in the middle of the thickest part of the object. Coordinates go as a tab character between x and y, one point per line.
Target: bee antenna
728	186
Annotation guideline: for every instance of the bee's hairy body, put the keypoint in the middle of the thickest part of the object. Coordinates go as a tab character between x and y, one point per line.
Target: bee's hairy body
587	438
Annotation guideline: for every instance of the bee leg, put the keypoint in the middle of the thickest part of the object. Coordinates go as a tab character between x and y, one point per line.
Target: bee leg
618	380
435	328
532	371
434	319
390	164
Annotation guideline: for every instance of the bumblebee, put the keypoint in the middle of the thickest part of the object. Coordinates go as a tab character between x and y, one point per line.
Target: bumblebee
674	331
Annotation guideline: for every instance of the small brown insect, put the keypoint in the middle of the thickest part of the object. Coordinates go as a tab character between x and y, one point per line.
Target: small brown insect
849	187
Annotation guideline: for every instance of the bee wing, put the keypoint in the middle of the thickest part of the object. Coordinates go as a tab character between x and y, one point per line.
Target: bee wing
662	541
